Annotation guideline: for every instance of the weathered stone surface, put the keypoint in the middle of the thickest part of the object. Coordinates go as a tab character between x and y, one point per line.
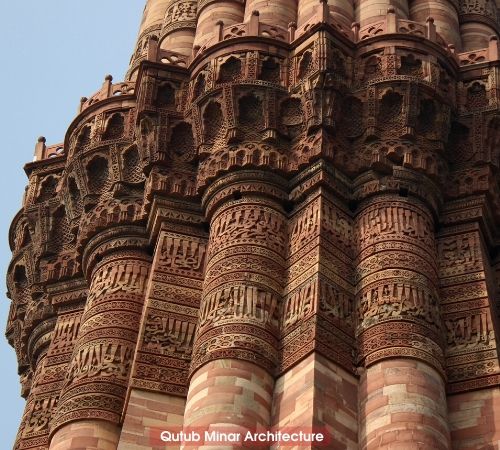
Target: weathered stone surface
286	216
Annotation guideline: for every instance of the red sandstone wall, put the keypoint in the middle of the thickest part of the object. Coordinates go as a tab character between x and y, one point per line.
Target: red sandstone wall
146	415
318	393
475	419
244	146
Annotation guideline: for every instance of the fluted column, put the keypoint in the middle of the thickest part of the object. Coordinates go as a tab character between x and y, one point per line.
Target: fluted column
210	12
154	13
402	392
96	383
369	11
468	298
478	23
445	15
235	351
151	24
50	366
43	396
341	11
179	27
475	35
278	12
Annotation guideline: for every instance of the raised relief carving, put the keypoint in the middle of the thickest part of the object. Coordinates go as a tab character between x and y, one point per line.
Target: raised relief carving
41	415
240	303
321	175
182	253
130	278
146	136
483	7
168	335
300	304
181	11
459	254
305	225
101	360
469	331
398	301
336	226
394	221
249	224
336	303
65	333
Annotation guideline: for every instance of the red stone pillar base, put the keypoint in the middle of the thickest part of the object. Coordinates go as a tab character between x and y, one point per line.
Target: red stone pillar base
230	396
403	406
320	396
475	419
88	434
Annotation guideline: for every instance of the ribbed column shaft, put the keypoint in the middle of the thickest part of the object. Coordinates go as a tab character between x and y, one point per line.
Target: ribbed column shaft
342	11
277	12
475	35
210	12
239	317
369	11
86	434
403	405
154	14
179	27
445	18
96	383
399	318
478	23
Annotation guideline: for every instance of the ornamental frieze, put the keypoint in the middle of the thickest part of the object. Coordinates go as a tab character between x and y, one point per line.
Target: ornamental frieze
286	203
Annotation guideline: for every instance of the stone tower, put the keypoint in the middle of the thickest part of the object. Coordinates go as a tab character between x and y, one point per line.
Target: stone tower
286	216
